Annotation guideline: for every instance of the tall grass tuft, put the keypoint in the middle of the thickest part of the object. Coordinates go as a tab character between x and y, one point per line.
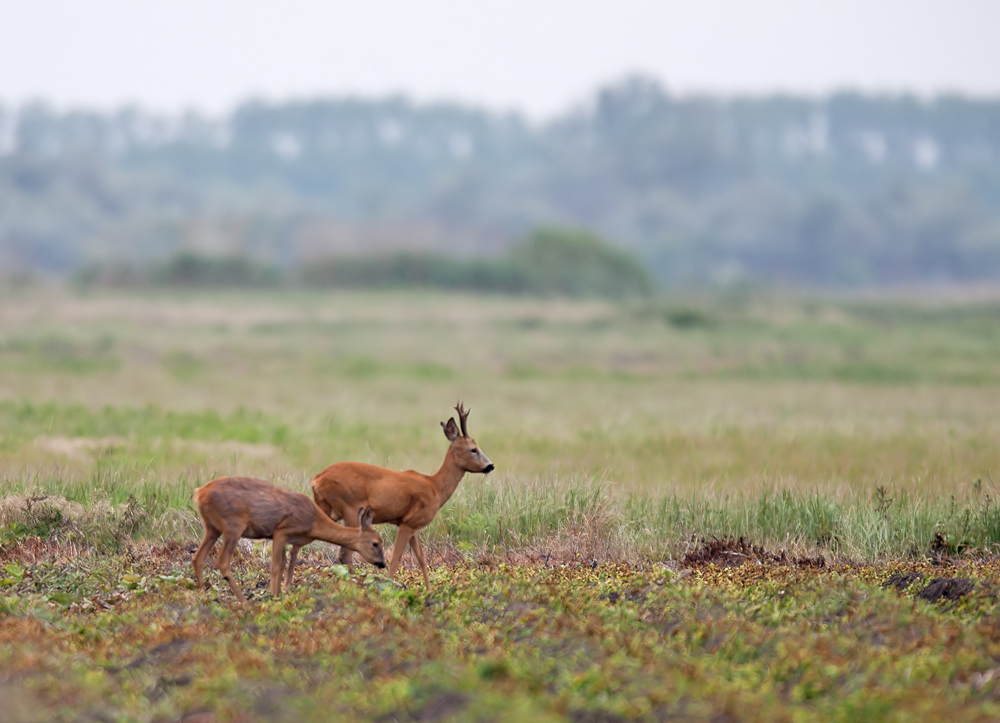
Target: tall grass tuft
537	511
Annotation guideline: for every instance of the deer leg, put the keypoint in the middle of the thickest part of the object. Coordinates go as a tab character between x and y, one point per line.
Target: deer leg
222	562
418	550
207	543
325	506
277	563
402	538
346	555
291	565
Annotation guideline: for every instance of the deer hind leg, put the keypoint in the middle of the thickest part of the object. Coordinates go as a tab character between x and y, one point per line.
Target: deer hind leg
418	550
222	562
277	563
325	506
402	538
291	565
207	543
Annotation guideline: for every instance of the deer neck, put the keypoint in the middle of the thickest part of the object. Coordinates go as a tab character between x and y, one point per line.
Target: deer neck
447	478
327	530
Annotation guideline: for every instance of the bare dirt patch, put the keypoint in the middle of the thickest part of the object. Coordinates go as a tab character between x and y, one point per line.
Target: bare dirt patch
902	581
946	588
950	589
728	552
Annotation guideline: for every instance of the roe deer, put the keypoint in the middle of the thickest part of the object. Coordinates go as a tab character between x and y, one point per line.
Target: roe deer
236	507
407	499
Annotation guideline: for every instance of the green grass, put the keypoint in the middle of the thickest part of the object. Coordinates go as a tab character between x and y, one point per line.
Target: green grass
862	431
647	424
27	420
125	639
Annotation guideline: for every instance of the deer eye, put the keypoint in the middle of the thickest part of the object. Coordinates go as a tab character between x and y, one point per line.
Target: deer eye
475	451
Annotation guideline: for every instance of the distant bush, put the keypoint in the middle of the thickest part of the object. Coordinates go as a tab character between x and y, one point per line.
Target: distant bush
185	269
196	270
688	318
569	262
116	275
550	262
556	262
412	269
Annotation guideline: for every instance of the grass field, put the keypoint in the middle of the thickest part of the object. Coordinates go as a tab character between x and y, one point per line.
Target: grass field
862	431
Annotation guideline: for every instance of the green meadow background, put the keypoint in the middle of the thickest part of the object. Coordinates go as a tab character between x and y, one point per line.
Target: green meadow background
861	427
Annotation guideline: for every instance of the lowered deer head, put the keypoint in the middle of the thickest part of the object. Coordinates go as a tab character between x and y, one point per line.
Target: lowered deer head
464	450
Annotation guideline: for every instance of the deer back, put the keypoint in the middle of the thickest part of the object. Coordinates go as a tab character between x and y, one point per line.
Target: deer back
345	487
255	506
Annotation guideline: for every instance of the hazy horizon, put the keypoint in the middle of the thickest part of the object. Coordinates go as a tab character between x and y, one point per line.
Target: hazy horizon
537	61
790	182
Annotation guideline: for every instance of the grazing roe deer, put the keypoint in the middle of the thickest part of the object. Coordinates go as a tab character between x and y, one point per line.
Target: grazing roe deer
407	499
236	507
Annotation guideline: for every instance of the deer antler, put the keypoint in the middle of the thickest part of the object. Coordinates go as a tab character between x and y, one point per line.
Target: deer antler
463	414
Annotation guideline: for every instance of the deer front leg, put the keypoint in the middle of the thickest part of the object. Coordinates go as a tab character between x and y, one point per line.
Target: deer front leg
346	555
277	563
291	566
222	562
418	550
402	538
207	543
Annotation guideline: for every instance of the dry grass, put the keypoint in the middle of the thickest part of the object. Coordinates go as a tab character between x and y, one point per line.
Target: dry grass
665	432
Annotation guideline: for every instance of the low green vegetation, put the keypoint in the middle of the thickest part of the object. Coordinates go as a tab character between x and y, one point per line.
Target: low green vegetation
842	439
125	638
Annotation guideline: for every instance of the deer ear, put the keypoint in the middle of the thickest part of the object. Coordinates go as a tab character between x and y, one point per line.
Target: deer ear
365	517
450	429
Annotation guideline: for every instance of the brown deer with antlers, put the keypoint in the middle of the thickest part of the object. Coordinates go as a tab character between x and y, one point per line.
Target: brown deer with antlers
236	507
407	499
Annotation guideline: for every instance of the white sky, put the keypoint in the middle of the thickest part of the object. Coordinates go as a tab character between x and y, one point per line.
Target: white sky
536	56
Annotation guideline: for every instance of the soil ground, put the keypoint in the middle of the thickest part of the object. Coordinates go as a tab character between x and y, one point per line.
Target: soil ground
731	633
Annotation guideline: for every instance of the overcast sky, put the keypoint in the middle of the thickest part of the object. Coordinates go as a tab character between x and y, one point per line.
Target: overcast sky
534	56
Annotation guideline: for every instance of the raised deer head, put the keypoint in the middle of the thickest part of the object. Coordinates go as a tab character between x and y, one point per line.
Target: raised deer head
464	449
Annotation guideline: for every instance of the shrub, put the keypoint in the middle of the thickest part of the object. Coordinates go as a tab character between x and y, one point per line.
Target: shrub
550	262
567	262
192	269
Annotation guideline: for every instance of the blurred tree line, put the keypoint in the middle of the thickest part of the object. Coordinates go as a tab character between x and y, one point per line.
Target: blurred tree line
549	262
844	190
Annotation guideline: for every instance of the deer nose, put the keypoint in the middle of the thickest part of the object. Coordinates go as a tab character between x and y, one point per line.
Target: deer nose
489	468
380	564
